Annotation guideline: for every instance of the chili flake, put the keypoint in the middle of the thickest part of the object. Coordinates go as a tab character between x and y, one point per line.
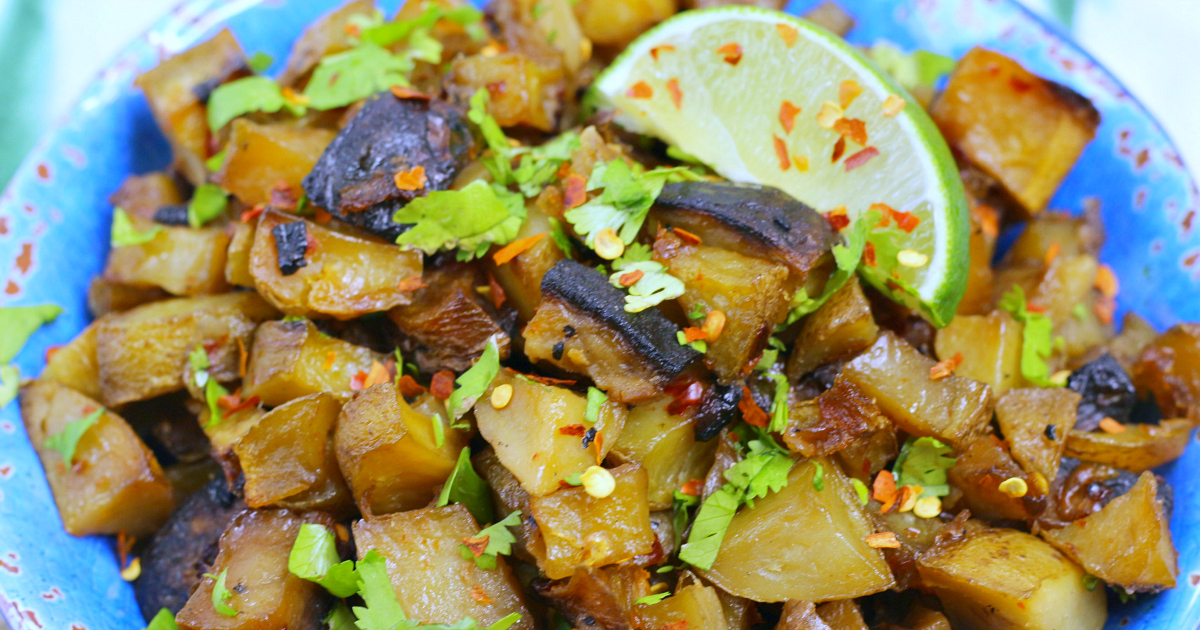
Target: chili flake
402	92
253	212
631	278
847	92
283	196
1104	308
787	115
599	446
692	487
782	153
988	218
575	430
242	357
732	52
412	179
476	545
751	412
330	357
411	282
893	105
801	162
499	297
660	48
478	595
884	489
830	113
908	497
515	248
839	149
1106	281
409	386
837	218
576	191
883	540
1052	253
946	368
544	380
852	129
377	375
692	333
321	216
788	34
1108	425
686	236
442	385
906	221
675	92
860	158
641	89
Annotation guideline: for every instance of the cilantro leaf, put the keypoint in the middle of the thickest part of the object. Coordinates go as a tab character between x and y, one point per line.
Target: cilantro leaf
635	253
17	323
208	202
652	599
67	440
10	382
764	469
472	219
213	391
923	462
221	595
382	610
469	623
860	489
314	557
198	360
339	618
439	430
559	235
1037	341
243	96
921	68
574	480
819	477
709	528
595	399
499	542
123	233
699	311
625	200
779	406
260	62
164	619
393	32
847	258
475	381
537	167
680	504
215	162
654	287
347	77
465	486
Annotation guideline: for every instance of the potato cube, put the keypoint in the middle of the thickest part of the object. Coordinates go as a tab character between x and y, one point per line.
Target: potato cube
143	195
179	260
665	445
1140	447
977	299
291	359
530	91
237	257
521	277
74	364
990	346
619	23
1169	369
326	36
260	158
1035	422
106	297
696	605
841	327
979	469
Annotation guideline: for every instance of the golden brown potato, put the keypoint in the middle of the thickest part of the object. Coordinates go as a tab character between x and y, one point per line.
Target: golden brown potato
1068	281
326	36
1127	543
508	496
1003	578
177	89
343	276
432	580
832	421
290	359
521	277
580	530
607	596
1019	128
289	460
113	484
953	409
753	293
224	434
254	556
842	614
142	353
839	328
540	435
617	23
1071	236
237	257
800	615
1035	422
1169	369
978	471
179	260
106	297
389	452
523	91
977	300
801	543
1139	447
74	364
696	605
1136	334
260	158
665	445
143	195
990	346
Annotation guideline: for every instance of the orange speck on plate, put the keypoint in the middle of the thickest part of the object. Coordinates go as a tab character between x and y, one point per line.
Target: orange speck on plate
788	33
848	91
641	89
732	52
787	115
411	179
675	92
25	258
782	153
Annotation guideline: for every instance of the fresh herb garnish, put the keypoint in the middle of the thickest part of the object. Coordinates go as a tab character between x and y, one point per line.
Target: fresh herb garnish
595	399
924	462
537	166
779	404
653	287
221	595
67	440
475	381
244	96
652	599
471	219
465	486
208	202
314	557
123	233
1037	341
382	609
625	201
496	540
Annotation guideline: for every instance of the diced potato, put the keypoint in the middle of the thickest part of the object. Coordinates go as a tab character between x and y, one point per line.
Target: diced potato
1136	334
1024	130
1035	422
990	346
559	27
977	300
1068	281
176	90
1003	578
1127	543
254	554
665	445
740	613
113	484
324	37
922	618
432	580
290	359
832	421
261	157
842	614
606	595
345	276
869	454
523	91
581	530
839	328
237	257
753	293
802	543
1071	236
618	23
106	297
1140	447
521	277
289	460
225	434
143	195
953	409
180	260
508	496
142	353
389	453
978	471
539	434
695	604
74	364
1169	369
729	452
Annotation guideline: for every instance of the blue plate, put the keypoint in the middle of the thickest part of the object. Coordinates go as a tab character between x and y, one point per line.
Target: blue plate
54	221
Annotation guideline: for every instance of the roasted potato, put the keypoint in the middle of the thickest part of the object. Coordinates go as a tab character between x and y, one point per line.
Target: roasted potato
106	297
74	364
143	195
326	36
696	605
1139	447
980	468
260	159
521	277
1169	370
1035	423
178	260
990	346
291	359
618	23
525	91
237	257
832	421
665	445
606	596
841	327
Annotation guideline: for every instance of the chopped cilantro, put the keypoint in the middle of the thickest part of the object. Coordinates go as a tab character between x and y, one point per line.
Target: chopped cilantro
473	382
699	311
921	68
10	383
708	530
346	77
819	477
664	569
215	162
652	599
213	391
17	323
698	345
559	235
439	430
860	489
537	167
499	542
654	287
635	253
847	258
339	618
123	233
314	557
923	462
574	480
198	359
208	202
469	623
465	486
164	619
779	406
1037	338
471	219
260	62
382	610
625	200
221	595
244	96
385	34
67	440
680	504
1090	581
1080	312
595	400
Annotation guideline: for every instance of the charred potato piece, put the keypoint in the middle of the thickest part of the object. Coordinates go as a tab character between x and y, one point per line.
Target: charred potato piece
696	605
324	37
1139	447
523	91
582	326
978	471
1023	130
841	327
953	409
142	353
106	297
143	195
291	359
313	270
113	484
1127	543
766	558
1169	369
1106	390
665	445
990	346
181	551
832	421
580	530
388	451
1035	423
74	364
542	436
432	580
254	553
178	90
288	458
260	159
354	177
237	257
605	596
179	260
1003	578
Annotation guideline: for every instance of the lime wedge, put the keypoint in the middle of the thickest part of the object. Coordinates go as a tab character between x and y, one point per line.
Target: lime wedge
742	89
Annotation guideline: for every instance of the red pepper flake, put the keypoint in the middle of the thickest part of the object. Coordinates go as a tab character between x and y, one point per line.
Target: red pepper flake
1021	605
377	375
499	297
884	490
233	403
356	381
242	356
692	333
782	153
412	179
751	412
788	34
893	105
837	218
732	52
686	397
860	158
692	487
1106	281
946	368
676	93
411	282
576	191
1019	85
631	278
442	385
869	254
478	595
575	430
253	212
659	49
787	115
311	245
641	89
515	248
686	236
476	545
906	221
401	92
1104	308
847	92
410	387
330	357
1052	253
883	540
852	129
598	444
321	216
1035	308
283	196
839	149
544	380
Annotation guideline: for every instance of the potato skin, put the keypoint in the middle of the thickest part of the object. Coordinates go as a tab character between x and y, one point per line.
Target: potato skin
260	157
288	359
143	195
